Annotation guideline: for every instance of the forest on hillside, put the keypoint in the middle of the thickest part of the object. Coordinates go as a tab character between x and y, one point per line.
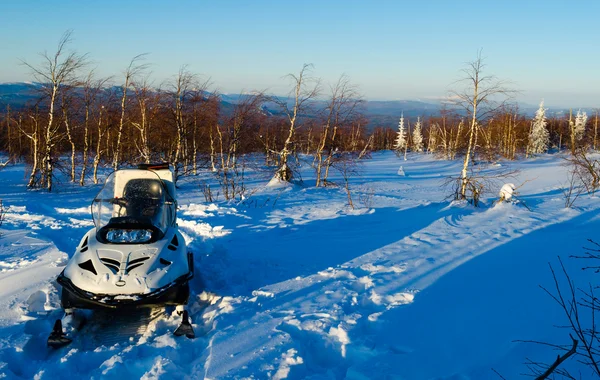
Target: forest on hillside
80	122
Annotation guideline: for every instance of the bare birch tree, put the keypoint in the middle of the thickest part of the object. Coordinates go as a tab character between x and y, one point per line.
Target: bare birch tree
230	172
92	89
147	102
202	103
305	89
342	108
595	139
67	107
135	68
33	134
102	129
481	95
182	90
56	71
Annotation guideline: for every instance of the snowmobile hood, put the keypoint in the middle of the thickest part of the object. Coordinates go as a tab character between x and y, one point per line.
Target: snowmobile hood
128	270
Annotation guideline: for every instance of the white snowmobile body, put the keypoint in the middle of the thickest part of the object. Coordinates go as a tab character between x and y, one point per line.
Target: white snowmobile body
134	256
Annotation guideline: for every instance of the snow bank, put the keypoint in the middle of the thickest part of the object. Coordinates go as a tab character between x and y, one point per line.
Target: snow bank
303	287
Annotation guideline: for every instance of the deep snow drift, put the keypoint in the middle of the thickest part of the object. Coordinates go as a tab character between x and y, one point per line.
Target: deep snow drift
294	284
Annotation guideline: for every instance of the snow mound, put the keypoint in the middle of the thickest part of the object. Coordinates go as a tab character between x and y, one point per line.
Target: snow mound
205	210
203	230
71	211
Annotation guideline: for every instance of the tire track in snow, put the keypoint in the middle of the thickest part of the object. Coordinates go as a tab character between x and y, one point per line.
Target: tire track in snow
332	308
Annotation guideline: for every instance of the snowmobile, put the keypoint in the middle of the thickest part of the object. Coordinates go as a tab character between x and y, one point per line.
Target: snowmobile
134	256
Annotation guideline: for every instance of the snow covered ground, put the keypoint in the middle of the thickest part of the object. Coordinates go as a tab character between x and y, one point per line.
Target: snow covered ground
294	284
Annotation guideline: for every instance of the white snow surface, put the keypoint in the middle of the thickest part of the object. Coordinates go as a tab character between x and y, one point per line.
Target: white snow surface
291	283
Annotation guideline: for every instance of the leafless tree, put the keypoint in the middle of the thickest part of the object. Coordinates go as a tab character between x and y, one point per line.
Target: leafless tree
57	71
181	92
33	134
243	112
585	169
230	170
102	129
580	307
348	166
571	190
542	370
148	101
480	182
2	214
134	69
341	110
2	210
92	89
595	140
67	100
481	95
202	103
305	89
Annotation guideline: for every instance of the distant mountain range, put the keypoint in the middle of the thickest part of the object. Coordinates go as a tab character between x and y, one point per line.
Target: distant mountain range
383	113
17	94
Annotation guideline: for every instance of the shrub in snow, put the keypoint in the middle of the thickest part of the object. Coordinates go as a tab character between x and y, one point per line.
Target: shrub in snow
585	171
539	137
2	214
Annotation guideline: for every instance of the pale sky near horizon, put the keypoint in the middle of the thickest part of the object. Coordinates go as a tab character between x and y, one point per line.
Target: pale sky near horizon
391	49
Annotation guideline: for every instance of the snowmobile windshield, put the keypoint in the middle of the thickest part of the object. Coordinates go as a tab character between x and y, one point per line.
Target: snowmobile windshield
134	206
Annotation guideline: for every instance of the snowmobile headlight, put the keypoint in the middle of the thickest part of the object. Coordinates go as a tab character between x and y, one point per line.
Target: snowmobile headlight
117	235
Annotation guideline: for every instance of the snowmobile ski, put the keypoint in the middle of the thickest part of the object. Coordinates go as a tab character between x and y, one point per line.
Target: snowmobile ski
185	328
58	338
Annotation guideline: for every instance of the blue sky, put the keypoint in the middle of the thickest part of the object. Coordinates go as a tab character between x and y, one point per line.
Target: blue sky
391	49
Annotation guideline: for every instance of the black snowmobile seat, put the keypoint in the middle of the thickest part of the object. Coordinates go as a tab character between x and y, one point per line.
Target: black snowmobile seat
144	197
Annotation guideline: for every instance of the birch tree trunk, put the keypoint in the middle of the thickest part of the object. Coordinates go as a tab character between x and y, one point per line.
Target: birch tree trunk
302	96
479	90
342	111
595	128
98	155
65	104
132	70
86	145
58	71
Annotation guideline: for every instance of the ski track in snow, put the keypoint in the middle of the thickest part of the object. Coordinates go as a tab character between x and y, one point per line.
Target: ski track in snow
300	314
261	321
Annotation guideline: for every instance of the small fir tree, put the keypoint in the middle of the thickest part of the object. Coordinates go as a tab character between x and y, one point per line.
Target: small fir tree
578	127
417	137
539	137
400	143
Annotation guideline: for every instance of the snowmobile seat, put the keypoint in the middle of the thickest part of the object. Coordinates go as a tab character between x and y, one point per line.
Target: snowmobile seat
143	197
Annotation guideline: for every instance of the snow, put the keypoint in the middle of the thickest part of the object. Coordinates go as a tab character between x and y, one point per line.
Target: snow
292	283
